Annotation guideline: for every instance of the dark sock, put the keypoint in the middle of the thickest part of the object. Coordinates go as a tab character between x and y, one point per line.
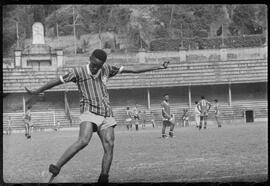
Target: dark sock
103	178
54	170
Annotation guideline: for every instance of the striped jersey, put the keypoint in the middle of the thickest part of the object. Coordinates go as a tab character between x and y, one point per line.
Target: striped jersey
27	115
204	106
93	91
135	112
216	108
165	108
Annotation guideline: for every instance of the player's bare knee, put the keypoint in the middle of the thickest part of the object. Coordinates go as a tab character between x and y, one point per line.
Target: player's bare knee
109	144
83	141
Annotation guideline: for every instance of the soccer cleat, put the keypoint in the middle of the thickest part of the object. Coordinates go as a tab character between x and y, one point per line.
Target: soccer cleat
103	178
54	170
171	134
28	137
164	136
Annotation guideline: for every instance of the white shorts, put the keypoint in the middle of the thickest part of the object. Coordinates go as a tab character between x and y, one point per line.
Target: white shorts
128	119
100	121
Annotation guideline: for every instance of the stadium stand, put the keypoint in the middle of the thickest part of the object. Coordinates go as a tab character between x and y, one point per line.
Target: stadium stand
208	43
199	69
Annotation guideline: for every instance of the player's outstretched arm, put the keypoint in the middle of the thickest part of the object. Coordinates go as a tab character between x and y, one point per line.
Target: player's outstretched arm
47	86
144	68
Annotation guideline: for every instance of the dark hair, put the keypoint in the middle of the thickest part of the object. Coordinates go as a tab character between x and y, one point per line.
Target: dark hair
29	107
100	54
215	100
196	102
202	97
127	107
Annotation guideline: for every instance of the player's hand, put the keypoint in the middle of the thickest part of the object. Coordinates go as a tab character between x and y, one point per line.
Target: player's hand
30	91
165	64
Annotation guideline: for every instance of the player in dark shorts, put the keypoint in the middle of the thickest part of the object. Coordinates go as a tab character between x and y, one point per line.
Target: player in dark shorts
136	117
168	118
204	107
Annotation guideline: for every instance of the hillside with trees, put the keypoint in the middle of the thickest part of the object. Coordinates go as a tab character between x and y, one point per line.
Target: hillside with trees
127	27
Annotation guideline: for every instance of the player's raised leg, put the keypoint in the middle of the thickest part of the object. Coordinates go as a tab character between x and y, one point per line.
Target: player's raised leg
107	139
85	134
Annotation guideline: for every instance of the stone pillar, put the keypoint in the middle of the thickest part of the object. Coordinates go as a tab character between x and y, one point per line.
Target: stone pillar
18	58
230	94
148	99
189	96
59	57
182	54
23	104
141	55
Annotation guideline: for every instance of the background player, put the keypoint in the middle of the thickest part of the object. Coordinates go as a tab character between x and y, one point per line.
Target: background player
27	122
217	112
168	118
204	107
197	114
136	116
129	118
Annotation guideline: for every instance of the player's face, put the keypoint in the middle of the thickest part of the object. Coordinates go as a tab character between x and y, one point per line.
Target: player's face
166	98
95	64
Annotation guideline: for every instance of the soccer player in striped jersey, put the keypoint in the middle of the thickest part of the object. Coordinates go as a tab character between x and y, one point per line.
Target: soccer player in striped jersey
95	108
204	107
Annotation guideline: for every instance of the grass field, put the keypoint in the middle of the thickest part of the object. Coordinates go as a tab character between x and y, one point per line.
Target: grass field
233	153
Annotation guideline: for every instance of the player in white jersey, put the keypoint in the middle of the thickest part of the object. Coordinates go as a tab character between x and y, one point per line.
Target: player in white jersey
217	112
197	114
204	107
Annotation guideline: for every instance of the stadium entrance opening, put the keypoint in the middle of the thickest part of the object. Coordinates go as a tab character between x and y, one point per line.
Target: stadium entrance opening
249	116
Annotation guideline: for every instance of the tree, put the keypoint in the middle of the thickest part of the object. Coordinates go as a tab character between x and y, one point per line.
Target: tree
23	16
244	19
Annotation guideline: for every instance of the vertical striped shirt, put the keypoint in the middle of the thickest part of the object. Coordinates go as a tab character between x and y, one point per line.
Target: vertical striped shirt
93	91
27	115
216	108
165	108
204	105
